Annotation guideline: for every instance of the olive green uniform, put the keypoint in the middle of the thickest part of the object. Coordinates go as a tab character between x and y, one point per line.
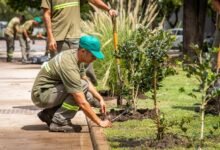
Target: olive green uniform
10	34
54	84
25	45
65	20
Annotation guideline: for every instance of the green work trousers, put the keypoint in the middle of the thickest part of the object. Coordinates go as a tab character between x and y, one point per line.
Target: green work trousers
10	47
58	103
25	48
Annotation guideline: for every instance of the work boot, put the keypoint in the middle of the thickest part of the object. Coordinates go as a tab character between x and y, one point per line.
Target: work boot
54	127
77	128
44	118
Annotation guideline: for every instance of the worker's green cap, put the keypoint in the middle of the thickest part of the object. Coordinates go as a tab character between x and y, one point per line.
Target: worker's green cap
38	19
92	44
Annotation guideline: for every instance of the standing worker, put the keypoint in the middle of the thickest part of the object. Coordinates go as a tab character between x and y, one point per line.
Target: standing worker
62	19
11	31
25	39
60	87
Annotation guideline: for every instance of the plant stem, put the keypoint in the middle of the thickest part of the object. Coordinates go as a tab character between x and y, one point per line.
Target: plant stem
202	123
155	102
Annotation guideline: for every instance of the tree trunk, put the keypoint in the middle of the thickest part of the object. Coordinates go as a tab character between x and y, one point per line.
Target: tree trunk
193	23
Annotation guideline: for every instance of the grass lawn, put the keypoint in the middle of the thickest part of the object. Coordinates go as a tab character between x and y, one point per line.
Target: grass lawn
178	107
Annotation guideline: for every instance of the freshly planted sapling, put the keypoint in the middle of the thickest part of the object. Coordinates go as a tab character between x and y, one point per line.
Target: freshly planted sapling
145	62
201	68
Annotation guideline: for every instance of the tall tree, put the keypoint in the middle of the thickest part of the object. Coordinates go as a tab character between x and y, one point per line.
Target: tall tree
21	5
193	23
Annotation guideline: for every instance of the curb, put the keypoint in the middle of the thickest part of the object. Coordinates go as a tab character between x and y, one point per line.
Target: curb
98	138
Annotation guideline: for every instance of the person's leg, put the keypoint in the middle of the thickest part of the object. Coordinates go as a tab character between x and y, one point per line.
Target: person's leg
28	47
23	47
89	97
61	121
64	114
10	47
49	99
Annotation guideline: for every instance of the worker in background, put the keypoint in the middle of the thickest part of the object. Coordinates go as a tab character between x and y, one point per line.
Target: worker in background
12	29
26	35
62	20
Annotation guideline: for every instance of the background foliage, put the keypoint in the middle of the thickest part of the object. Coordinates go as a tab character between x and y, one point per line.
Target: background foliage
128	20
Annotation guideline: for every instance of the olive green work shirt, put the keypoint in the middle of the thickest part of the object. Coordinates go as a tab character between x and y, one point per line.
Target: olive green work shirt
28	26
62	69
65	18
12	25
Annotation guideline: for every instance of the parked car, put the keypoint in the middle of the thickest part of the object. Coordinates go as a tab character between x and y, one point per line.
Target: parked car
178	32
3	25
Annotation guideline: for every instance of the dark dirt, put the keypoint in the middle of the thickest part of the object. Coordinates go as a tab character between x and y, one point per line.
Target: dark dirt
169	141
123	115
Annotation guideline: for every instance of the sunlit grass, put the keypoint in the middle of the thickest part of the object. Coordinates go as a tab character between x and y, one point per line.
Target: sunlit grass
177	105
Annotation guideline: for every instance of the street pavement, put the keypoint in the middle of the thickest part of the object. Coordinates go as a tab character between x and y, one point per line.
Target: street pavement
20	127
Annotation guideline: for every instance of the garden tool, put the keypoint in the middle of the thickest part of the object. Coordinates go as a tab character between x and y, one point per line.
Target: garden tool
115	39
124	112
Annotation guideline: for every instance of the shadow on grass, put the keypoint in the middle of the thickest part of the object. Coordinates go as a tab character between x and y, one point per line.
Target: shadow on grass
189	108
127	142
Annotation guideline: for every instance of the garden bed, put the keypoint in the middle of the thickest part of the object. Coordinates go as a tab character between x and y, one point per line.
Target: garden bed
137	130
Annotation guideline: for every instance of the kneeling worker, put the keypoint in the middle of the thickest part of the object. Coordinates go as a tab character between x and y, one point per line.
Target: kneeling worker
60	87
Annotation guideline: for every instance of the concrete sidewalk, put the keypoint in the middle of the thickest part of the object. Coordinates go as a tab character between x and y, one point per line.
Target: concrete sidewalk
20	128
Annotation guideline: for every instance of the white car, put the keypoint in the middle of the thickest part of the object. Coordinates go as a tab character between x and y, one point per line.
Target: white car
3	25
178	32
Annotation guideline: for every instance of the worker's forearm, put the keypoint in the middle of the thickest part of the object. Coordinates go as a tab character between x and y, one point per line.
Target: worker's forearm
100	4
47	20
87	109
90	113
